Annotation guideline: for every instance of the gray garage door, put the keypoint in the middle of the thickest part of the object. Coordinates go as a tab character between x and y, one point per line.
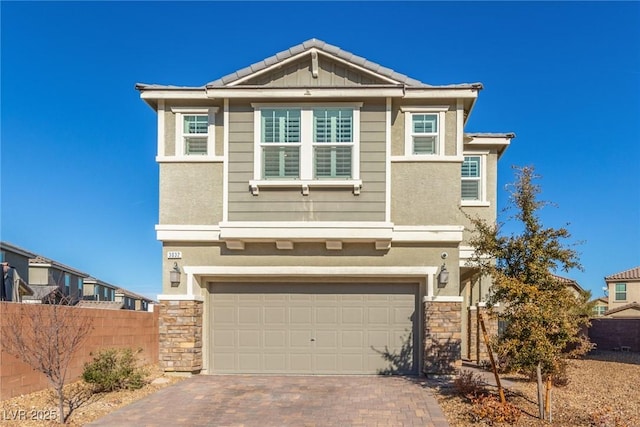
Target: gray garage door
313	328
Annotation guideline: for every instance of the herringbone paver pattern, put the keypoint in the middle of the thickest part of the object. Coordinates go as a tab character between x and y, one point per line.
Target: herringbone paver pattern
300	401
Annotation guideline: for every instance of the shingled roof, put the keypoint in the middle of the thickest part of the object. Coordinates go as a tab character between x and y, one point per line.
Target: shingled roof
631	274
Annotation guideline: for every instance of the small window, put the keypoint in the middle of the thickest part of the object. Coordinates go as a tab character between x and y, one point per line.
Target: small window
80	286
195	134
67	284
621	291
471	176
424	133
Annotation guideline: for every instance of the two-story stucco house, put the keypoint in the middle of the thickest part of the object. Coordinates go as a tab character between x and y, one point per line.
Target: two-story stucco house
623	289
311	216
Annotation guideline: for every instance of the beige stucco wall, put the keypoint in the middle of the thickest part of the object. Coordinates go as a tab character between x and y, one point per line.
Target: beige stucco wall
311	255
190	193
633	293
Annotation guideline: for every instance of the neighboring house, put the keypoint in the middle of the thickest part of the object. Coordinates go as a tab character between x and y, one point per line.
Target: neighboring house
97	290
624	293
18	258
571	284
601	305
310	217
52	280
132	301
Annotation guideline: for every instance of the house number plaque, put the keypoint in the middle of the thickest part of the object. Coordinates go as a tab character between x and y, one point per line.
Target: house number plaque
174	255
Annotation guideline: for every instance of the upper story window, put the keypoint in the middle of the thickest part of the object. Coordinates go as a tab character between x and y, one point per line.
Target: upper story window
424	131
473	188
195	135
471	178
307	142
195	130
621	291
67	284
80	286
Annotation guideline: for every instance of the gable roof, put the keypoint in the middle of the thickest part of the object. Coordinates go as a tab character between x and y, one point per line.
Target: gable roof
632	274
568	282
319	46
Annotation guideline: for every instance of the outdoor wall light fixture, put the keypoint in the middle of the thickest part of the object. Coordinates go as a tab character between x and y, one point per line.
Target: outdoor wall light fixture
443	276
174	275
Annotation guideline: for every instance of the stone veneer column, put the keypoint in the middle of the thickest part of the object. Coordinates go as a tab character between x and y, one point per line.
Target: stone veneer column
181	336
442	337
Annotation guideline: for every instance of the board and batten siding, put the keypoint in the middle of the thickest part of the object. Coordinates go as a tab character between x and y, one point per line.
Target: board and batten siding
321	204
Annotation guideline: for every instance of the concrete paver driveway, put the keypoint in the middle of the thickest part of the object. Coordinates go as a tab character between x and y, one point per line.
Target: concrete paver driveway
241	400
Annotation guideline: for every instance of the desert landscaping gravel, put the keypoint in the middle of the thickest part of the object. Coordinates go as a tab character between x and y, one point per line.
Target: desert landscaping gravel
603	391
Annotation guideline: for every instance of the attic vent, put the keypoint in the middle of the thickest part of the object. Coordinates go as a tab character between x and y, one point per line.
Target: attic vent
314	64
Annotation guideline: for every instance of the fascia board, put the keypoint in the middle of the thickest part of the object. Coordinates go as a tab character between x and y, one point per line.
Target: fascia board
304	93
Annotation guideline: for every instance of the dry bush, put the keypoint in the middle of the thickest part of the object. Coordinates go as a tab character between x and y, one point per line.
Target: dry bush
607	417
469	384
487	408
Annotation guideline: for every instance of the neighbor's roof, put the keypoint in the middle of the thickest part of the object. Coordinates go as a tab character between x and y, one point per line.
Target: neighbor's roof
40	260
326	48
40	291
633	273
16	249
106	305
633	305
568	282
133	295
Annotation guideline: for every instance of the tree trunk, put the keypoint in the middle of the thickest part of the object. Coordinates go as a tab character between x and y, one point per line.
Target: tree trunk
60	392
540	392
547	400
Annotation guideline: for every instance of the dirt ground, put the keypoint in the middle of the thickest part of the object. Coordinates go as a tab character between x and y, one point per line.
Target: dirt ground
41	408
602	392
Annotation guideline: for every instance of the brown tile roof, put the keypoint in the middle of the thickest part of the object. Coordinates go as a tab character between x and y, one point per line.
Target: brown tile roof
632	274
634	305
568	282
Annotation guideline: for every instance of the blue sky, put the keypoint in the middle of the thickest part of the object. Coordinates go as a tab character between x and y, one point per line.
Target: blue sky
79	182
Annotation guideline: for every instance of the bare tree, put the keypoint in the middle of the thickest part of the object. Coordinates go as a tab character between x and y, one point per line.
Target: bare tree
46	336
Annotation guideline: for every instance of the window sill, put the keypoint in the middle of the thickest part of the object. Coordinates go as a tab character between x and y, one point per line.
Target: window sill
427	158
305	184
189	159
475	203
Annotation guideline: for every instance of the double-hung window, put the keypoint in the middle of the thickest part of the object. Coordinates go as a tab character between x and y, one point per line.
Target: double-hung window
194	131
280	143
424	131
471	178
332	143
308	143
621	291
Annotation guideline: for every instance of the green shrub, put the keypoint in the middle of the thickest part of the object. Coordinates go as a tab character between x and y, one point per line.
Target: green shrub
114	369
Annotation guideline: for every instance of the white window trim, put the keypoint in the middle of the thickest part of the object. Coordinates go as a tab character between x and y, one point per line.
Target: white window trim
306	147
483	179
409	111
180	155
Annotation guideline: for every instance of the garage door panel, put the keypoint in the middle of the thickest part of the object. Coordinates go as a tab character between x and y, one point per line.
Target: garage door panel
311	328
275	340
275	316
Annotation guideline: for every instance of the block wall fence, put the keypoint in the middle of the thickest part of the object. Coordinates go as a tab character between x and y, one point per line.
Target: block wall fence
111	329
